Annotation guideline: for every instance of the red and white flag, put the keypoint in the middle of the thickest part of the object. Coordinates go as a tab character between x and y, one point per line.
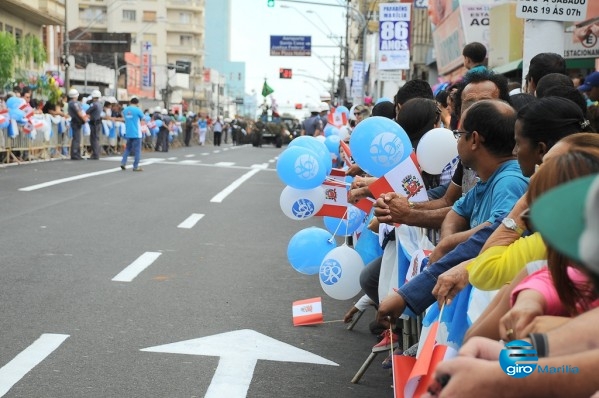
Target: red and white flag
307	312
346	153
335	195
337	119
405	179
412	376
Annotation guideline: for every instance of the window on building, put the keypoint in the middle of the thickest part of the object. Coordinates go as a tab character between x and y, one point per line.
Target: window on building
185	18
1	27
92	14
149	16
186	40
18	35
129	15
8	29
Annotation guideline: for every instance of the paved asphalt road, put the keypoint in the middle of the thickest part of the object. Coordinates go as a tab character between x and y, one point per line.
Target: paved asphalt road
77	315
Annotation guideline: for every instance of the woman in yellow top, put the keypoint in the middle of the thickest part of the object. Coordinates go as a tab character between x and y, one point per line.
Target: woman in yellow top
499	263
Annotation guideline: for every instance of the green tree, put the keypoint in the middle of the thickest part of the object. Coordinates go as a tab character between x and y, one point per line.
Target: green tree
8	51
31	48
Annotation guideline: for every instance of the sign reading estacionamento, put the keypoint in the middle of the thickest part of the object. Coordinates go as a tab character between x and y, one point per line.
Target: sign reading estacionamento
295	46
552	10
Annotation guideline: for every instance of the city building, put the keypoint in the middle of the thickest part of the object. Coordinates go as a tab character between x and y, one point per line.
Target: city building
231	99
163	42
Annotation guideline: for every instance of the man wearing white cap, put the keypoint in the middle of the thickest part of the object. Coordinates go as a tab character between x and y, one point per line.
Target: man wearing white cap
78	118
95	123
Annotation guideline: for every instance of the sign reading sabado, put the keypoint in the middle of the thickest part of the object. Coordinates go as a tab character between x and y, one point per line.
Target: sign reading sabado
291	46
552	10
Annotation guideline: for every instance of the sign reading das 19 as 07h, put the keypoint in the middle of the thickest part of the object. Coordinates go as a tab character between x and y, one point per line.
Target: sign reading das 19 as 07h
553	10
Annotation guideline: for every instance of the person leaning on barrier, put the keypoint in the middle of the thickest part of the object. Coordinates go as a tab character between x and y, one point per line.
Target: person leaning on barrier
485	145
565	217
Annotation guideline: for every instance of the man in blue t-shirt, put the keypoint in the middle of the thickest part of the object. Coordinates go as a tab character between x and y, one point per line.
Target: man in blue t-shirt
133	117
485	144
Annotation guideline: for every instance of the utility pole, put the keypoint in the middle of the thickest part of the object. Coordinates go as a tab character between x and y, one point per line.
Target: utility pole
66	52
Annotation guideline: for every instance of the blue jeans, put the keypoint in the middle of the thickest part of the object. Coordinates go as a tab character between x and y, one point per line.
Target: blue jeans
134	146
417	293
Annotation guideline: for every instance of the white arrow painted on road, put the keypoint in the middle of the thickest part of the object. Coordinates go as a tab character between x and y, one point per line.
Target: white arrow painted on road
238	351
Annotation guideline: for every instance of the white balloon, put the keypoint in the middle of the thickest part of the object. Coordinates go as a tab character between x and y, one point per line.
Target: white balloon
436	149
340	273
320	138
300	204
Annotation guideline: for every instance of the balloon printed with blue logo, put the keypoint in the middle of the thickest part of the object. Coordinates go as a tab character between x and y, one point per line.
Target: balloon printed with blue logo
301	168
339	273
307	141
378	144
332	143
382	99
436	149
318	146
345	227
307	248
329	130
342	109
301	204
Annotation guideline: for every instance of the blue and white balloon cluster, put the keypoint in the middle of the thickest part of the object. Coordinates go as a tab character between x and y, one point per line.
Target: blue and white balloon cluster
303	167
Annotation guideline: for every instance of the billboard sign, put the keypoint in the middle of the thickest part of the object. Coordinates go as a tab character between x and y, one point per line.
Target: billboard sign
394	36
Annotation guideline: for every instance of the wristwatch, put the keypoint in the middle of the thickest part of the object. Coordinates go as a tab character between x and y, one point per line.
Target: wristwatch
509	223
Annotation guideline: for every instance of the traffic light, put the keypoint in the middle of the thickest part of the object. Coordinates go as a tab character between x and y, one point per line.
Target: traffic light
270	3
285	73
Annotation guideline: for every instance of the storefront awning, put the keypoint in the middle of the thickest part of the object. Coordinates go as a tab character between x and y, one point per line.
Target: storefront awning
512	66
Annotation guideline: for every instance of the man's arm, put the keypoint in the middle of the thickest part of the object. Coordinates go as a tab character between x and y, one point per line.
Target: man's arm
394	208
579	334
473	377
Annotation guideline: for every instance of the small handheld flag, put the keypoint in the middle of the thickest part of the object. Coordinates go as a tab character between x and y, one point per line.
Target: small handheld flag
266	89
307	312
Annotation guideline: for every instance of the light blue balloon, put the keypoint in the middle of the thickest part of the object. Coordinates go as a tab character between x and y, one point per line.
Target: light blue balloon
6	122
345	227
382	99
342	109
332	143
301	168
147	118
306	141
308	248
85	107
158	123
13	102
378	144
329	130
17	114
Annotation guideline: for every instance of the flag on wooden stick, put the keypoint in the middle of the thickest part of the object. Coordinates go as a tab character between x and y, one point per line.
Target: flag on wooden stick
307	312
